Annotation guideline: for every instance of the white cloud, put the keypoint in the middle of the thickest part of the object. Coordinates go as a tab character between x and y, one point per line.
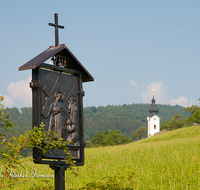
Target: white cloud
182	101
133	83
20	91
159	92
7	102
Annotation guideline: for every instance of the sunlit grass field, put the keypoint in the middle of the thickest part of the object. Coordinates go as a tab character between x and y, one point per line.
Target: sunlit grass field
168	161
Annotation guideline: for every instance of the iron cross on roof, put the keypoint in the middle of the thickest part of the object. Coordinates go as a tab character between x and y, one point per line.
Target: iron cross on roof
56	28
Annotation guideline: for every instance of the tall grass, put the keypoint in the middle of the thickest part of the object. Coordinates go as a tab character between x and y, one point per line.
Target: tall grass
166	161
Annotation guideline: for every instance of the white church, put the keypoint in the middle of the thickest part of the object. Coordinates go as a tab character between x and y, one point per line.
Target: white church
153	120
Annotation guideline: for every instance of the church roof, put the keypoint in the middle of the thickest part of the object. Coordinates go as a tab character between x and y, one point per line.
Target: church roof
153	110
72	61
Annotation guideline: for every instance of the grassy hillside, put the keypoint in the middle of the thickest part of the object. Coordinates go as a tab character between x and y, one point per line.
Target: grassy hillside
167	161
178	134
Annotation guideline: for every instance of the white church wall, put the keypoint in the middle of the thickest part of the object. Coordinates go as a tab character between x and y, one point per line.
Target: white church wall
153	125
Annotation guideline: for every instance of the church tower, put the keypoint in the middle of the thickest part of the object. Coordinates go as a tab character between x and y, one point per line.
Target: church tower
153	120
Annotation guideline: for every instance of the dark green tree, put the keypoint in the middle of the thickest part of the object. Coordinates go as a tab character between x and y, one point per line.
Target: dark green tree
5	123
108	138
141	133
195	114
176	122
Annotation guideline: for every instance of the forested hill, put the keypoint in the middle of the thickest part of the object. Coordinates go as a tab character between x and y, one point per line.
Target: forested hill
22	120
125	118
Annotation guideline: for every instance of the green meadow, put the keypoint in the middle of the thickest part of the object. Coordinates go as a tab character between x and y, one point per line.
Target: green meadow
167	161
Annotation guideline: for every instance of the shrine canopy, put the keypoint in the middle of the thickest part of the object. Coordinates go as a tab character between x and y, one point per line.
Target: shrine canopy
59	52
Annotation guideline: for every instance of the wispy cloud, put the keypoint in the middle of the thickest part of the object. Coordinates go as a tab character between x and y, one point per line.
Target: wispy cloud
20	91
133	83
159	92
181	101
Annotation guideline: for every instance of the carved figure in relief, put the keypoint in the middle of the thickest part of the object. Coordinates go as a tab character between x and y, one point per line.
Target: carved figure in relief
72	128
63	121
56	122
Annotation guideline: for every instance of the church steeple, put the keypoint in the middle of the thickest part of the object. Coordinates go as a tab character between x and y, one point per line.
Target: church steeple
153	110
153	120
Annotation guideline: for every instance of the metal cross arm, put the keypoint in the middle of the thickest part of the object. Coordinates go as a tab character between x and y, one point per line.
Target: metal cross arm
56	28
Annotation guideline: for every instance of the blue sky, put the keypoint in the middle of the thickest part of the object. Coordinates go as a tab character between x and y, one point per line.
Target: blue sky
130	47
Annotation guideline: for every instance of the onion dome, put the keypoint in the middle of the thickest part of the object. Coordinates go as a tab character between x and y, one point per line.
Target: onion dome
153	110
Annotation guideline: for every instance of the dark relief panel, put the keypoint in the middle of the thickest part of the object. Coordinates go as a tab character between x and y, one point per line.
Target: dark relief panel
57	102
59	97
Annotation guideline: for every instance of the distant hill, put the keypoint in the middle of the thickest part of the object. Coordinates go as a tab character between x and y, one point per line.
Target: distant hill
22	120
125	118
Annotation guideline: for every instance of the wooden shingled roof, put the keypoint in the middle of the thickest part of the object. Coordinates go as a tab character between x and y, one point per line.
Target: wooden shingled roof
72	61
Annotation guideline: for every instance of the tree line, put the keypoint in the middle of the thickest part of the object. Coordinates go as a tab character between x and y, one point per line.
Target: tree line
179	121
176	122
108	138
125	118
